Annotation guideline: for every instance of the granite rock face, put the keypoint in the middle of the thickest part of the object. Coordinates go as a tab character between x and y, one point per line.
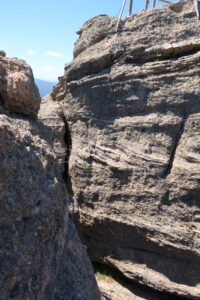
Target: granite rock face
132	103
18	92
41	256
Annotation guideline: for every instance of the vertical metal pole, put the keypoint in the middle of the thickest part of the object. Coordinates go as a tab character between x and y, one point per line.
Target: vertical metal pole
147	4
130	7
120	15
196	5
154	3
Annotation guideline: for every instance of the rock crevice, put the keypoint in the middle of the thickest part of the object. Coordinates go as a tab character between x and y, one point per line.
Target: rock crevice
176	144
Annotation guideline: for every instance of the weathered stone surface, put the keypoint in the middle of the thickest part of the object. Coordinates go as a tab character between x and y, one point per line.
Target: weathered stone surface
76	276
132	104
18	92
41	255
33	226
115	291
112	289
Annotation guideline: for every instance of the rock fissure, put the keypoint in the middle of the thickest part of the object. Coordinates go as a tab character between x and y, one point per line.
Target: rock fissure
175	146
68	143
2	100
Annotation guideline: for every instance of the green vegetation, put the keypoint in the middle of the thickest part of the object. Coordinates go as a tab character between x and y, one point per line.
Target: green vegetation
101	276
102	273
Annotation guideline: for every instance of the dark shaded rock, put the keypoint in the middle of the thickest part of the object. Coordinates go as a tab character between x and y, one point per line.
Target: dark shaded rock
41	256
2	53
75	279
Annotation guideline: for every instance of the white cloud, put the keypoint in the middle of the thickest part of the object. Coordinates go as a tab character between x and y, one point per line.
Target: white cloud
31	52
55	54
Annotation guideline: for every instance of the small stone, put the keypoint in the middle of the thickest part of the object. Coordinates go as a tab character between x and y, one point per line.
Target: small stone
2	53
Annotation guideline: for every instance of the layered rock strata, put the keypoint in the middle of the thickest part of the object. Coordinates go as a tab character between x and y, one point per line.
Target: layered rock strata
132	103
41	256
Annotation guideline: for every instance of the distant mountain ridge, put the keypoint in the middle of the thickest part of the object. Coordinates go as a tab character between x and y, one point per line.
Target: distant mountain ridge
44	86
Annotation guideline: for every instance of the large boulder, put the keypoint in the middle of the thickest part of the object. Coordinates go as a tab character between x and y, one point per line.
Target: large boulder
131	101
18	92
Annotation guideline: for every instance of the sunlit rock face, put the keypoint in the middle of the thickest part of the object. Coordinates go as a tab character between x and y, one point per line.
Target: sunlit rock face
132	103
18	92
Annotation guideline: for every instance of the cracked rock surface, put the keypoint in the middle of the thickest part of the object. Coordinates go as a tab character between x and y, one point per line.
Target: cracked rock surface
132	102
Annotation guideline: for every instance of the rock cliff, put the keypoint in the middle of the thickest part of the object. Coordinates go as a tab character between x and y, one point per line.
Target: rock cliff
132	104
40	252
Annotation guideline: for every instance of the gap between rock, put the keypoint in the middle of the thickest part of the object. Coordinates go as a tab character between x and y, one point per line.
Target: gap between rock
112	275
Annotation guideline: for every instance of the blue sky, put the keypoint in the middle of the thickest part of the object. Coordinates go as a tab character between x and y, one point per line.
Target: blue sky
43	32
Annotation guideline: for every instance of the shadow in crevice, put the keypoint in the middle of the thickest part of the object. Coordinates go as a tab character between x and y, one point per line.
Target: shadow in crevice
68	143
137	289
1	100
134	246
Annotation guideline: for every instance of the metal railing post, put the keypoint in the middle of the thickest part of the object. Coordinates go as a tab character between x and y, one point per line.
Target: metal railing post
197	9
130	7
120	15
